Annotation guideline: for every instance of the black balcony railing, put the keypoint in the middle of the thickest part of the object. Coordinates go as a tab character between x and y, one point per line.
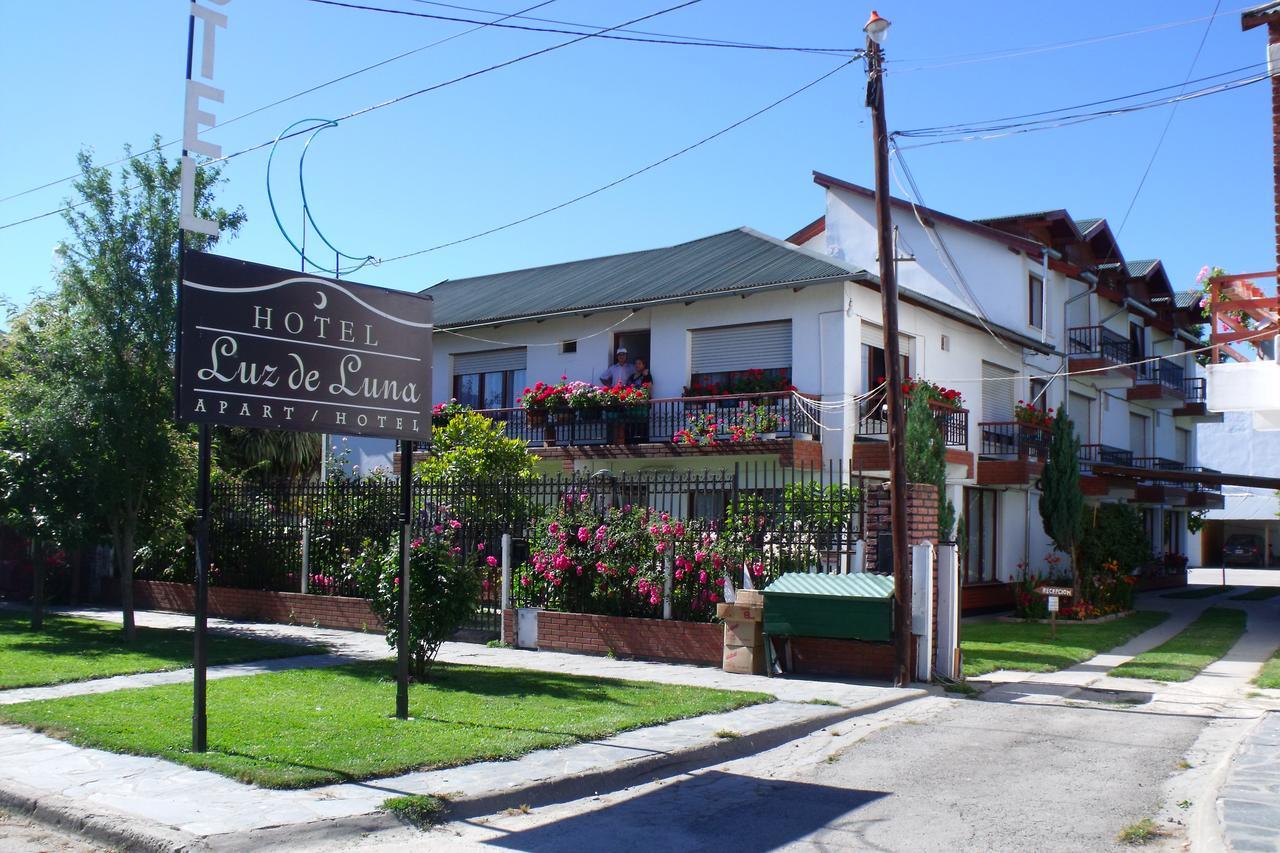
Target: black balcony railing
1013	440
1193	388
715	419
1101	342
1103	454
1215	488
1163	372
1161	463
953	423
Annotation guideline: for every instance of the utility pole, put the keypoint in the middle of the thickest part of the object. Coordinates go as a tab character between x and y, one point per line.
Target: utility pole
876	29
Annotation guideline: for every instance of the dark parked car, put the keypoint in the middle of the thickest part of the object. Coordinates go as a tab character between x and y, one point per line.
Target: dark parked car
1242	549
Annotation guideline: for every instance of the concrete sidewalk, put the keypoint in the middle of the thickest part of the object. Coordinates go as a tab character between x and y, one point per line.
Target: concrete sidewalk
148	803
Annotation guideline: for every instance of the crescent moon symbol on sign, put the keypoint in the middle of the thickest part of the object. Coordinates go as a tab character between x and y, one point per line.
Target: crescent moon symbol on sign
323	300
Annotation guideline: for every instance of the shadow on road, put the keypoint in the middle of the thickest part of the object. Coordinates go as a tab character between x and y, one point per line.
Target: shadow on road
698	813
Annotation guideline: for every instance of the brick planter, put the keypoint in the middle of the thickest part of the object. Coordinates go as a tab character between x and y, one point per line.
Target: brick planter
285	608
656	639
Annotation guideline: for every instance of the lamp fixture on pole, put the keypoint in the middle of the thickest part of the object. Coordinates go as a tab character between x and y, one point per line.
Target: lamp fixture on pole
877	28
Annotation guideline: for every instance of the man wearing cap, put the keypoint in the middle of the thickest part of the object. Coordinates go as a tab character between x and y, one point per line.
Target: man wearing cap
620	372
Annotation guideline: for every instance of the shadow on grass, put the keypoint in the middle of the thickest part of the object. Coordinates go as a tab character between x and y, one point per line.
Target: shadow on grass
499	683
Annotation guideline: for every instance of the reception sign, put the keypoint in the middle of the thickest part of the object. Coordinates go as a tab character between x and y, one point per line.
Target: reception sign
260	346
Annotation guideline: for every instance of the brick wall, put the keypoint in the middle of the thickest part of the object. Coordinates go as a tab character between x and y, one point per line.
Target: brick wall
659	639
285	608
845	658
922	518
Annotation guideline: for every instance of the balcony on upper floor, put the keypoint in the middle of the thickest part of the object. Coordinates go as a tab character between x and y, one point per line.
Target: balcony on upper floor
1156	491
1161	384
1095	485
1195	410
1011	453
1101	357
871	445
779	422
1201	496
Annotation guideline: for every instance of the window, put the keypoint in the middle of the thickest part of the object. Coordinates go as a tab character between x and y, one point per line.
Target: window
1080	410
567	347
1035	302
1182	439
980	531
723	356
997	393
945	343
493	379
1137	341
1138	435
1039	394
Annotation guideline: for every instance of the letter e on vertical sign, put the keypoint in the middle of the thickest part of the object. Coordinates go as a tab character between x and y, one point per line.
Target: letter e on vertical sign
194	117
271	348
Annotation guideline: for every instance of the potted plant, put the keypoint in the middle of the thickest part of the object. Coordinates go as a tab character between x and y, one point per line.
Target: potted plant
758	421
442	413
699	431
538	402
1032	416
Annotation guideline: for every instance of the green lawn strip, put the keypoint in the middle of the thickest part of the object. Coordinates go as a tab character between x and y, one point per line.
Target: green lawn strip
1270	674
310	727
1202	642
1199	592
1026	646
71	649
1258	593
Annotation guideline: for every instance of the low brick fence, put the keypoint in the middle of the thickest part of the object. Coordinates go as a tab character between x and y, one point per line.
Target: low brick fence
656	639
285	608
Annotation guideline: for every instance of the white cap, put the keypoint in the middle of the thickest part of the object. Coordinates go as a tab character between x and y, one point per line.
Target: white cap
620	350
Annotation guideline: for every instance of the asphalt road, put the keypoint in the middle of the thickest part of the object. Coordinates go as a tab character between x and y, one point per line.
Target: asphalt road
936	774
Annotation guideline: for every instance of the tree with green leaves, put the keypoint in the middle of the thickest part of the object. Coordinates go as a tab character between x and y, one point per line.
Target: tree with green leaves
269	454
89	367
472	458
1061	501
927	458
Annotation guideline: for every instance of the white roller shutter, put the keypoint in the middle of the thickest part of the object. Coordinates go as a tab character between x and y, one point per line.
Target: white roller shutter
873	336
490	361
1080	410
725	348
997	393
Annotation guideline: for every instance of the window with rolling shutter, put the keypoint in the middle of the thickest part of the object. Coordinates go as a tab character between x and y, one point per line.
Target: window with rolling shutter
997	393
491	379
1080	410
490	361
730	348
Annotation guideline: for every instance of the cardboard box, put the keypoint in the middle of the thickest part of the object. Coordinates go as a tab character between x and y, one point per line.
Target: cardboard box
743	633
741	613
741	660
749	598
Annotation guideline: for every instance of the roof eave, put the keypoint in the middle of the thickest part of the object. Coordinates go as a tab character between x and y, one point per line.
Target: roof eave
1257	16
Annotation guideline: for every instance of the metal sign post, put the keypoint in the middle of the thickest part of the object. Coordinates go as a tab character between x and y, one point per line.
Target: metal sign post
270	348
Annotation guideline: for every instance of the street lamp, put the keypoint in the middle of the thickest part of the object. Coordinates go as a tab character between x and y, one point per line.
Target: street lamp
877	29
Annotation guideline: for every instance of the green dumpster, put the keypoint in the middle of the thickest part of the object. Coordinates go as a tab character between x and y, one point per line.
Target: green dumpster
845	607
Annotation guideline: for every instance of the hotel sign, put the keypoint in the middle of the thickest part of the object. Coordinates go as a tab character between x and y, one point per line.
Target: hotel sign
264	347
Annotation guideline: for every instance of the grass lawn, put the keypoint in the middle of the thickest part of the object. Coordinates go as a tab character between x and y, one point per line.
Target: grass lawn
1258	593
309	727
1270	675
1199	592
1201	643
1026	646
78	649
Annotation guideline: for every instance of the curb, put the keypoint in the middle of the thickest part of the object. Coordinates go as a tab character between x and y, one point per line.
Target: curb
138	834
113	830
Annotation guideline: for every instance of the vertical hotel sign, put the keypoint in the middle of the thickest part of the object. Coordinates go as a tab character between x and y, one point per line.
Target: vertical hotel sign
270	348
193	117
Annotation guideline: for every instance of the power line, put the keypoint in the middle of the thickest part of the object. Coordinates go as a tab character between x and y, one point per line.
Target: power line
677	40
975	134
626	177
387	103
1014	53
1168	121
287	98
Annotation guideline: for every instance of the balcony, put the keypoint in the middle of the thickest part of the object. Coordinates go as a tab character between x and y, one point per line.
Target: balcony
1011	453
1203	495
1195	410
1161	384
1156	491
871	445
1100	356
1100	454
705	424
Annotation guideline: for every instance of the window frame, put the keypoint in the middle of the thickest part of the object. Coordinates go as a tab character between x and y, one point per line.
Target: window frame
1035	302
509	392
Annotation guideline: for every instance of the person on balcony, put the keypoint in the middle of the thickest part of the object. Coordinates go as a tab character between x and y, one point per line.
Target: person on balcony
620	372
642	376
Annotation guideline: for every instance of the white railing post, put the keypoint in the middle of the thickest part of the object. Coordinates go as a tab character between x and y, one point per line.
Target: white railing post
947	662
922	607
860	556
306	553
504	600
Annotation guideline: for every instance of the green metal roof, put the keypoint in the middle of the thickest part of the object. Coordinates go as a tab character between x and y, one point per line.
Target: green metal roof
860	585
1137	269
1187	298
1087	225
736	260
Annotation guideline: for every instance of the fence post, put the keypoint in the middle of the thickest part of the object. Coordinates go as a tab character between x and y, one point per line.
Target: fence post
306	553
860	556
922	607
504	603
668	581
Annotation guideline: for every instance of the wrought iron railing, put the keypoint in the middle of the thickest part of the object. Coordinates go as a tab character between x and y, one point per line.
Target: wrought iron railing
1013	440
1101	342
780	414
953	423
1103	454
1161	463
1215	488
1193	388
1163	372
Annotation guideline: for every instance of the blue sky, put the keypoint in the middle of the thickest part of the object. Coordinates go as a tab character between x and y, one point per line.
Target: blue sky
492	149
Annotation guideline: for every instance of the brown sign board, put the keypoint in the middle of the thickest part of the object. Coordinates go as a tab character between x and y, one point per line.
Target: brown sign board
260	346
1054	590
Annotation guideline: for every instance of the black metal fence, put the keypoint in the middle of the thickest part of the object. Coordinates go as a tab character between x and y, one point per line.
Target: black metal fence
689	531
1102	342
953	422
1162	372
1014	440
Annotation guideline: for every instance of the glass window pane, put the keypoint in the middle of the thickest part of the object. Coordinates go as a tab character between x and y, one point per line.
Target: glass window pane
493	390
466	388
